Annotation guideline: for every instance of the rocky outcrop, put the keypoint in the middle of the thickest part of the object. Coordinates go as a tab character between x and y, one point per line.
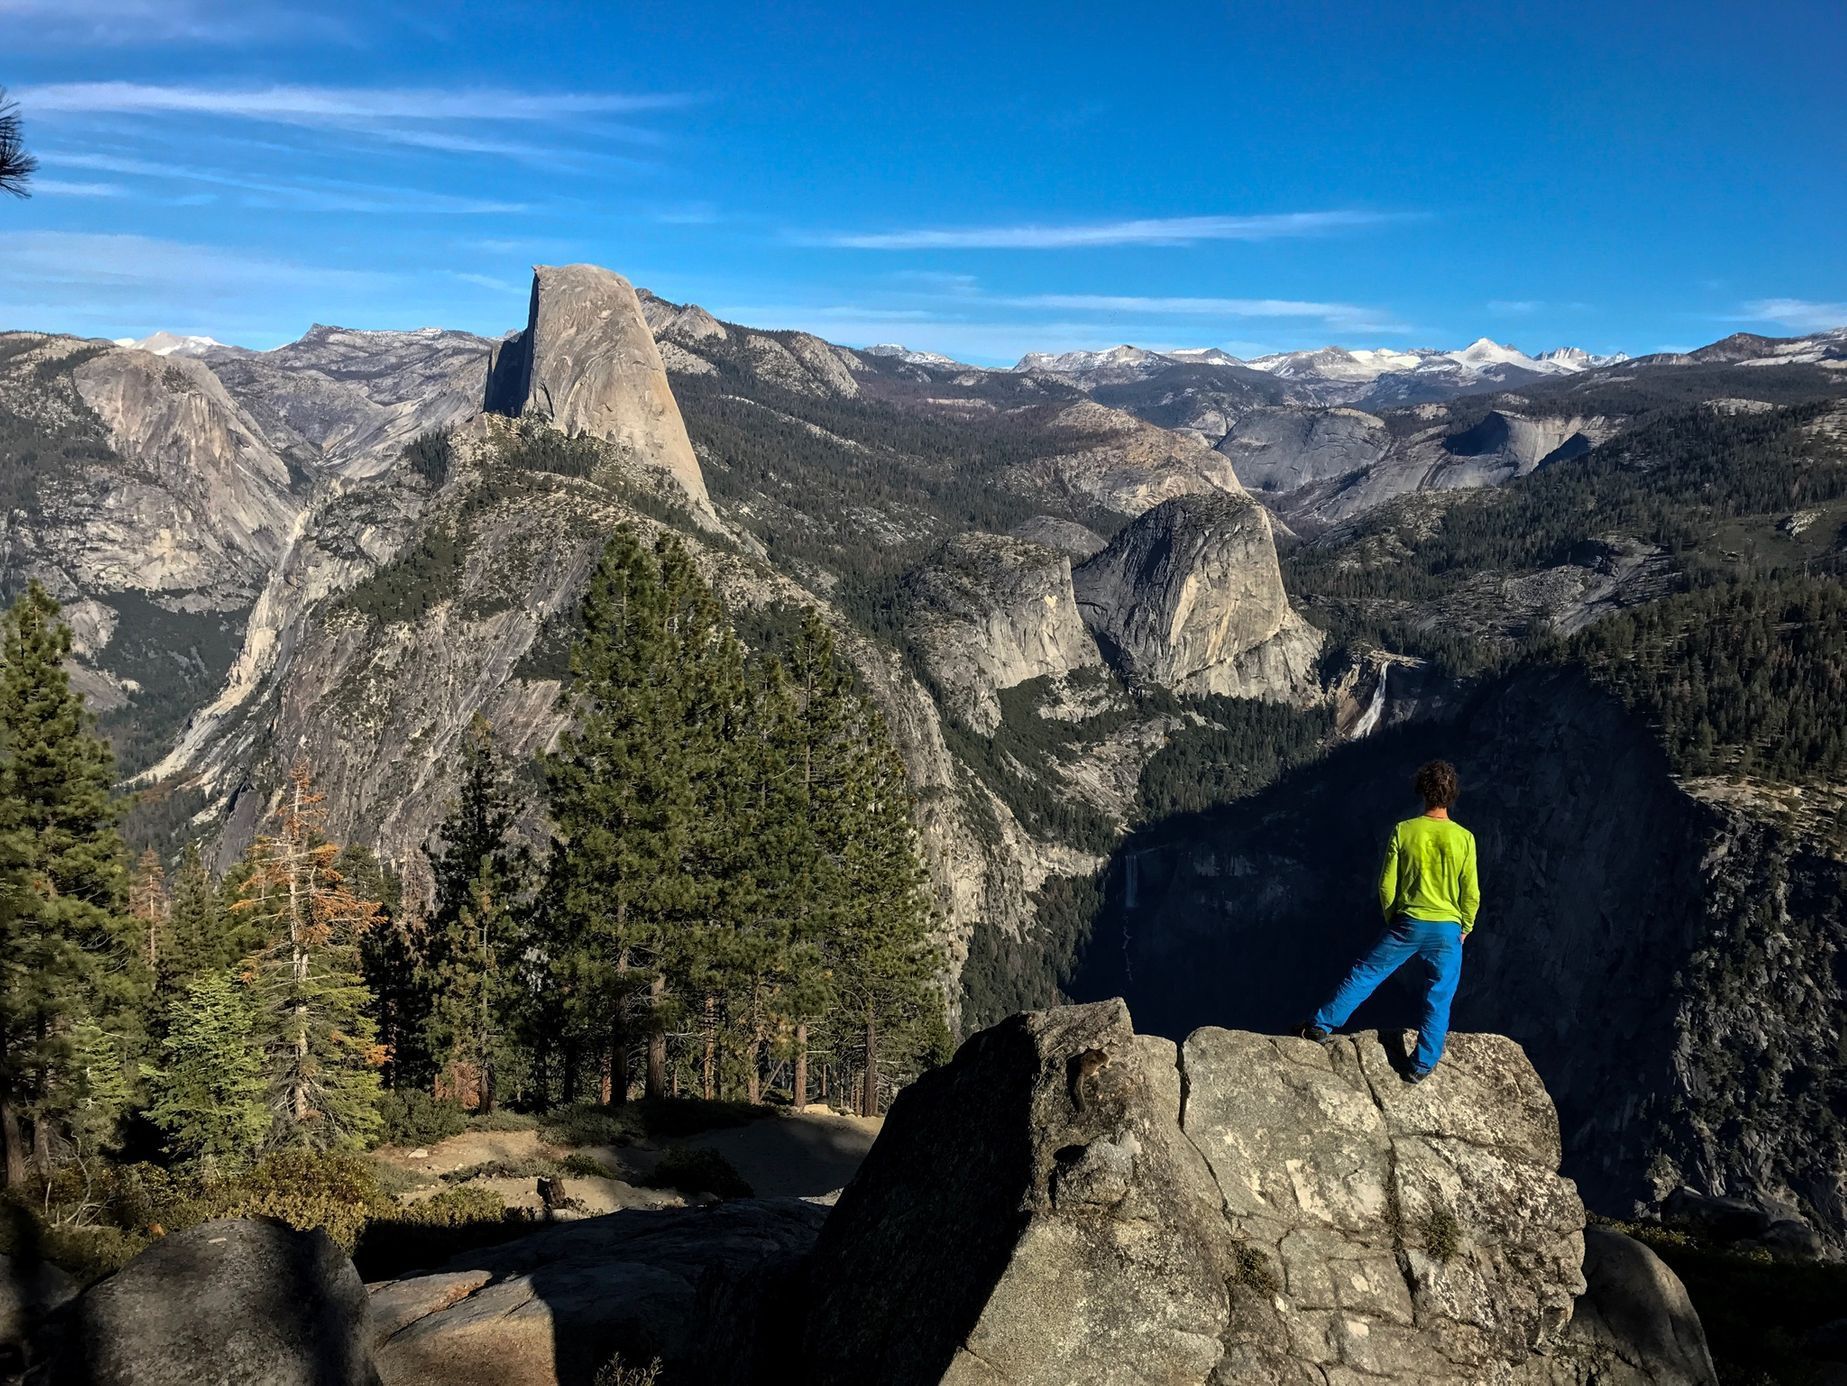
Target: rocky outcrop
1068	1201
225	1303
1065	535
990	612
350	400
1283	450
1109	458
1190	597
587	364
552	1308
1633	1325
1610	890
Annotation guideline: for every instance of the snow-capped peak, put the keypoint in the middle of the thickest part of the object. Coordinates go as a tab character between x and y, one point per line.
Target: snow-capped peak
915	358
1484	351
1577	359
170	344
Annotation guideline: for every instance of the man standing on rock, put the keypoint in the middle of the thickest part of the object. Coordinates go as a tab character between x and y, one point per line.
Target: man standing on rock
1429	892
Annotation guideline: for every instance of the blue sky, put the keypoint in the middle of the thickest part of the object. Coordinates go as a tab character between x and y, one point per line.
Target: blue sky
980	180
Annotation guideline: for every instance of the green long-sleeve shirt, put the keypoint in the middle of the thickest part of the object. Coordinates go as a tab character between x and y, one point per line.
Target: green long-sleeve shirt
1429	872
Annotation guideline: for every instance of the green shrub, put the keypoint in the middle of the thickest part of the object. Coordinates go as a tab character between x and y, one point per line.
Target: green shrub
500	1119
1254	1270
527	1167
1442	1233
457	1208
413	1117
335	1191
588	1124
695	1169
585	1166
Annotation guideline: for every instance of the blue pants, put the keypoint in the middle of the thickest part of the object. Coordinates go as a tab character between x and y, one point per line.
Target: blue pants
1437	947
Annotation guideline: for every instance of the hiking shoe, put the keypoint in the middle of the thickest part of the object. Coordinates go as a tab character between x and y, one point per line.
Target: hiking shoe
1313	1032
1416	1075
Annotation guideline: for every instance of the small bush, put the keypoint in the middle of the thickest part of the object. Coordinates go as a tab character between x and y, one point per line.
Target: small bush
1254	1270
413	1117
585	1166
694	1169
1442	1233
531	1167
335	1191
457	1208
587	1124
502	1120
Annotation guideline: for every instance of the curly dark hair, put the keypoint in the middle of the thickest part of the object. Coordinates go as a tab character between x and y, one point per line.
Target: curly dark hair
1437	782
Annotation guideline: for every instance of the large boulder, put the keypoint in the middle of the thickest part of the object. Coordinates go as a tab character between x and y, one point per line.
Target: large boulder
1069	1201
990	611
1190	597
587	364
552	1308
1633	1325
232	1302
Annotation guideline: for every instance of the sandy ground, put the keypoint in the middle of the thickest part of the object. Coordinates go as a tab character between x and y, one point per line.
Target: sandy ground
787	1155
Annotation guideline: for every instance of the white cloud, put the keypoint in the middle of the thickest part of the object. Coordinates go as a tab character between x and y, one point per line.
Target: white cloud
55	187
1804	315
120	22
316	105
1514	305
1171	231
308	194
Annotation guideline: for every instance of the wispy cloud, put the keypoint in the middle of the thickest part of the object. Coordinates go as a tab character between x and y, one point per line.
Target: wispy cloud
307	194
125	22
55	187
1164	231
1351	316
1804	315
316	105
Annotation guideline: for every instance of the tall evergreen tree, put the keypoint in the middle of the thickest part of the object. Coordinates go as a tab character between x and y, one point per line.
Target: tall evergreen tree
477	931
624	888
322	1055
209	1094
67	950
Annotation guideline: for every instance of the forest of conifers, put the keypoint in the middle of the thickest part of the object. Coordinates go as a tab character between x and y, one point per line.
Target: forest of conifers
715	891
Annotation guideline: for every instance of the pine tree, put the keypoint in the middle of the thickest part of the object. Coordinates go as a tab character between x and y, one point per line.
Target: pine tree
624	788
202	934
208	1089
322	1056
67	951
477	932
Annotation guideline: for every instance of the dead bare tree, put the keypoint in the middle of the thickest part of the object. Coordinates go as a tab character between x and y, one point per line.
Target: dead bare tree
16	166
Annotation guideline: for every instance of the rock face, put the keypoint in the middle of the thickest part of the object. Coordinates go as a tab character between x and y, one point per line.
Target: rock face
588	364
554	1307
351	400
1286	449
1633	1326
1190	597
1245	1209
1610	889
990	612
233	1301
